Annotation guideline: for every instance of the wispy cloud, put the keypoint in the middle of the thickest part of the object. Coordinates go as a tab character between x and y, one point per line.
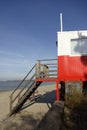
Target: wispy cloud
13	62
6	75
13	66
10	59
6	53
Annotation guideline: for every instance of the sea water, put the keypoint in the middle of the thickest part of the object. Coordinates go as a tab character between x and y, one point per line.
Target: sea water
11	85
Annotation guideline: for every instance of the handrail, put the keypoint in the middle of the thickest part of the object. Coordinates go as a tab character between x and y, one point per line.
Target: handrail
23	89
14	97
47	59
52	64
23	80
53	71
27	84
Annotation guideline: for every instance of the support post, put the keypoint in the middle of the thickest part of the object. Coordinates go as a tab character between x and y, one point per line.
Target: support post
57	91
38	69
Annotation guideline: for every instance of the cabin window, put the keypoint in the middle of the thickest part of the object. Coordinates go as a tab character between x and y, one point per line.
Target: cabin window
79	46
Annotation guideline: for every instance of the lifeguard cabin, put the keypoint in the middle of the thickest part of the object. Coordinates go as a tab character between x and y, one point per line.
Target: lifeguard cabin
72	56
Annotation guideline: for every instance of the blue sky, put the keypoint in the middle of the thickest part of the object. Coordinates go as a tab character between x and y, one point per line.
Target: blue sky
28	31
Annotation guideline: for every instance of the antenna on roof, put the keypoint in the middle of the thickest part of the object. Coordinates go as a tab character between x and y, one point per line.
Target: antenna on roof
61	22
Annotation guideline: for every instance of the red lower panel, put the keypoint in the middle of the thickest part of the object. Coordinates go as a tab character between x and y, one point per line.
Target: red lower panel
72	68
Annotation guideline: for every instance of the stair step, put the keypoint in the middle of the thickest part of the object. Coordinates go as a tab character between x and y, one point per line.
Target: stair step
24	98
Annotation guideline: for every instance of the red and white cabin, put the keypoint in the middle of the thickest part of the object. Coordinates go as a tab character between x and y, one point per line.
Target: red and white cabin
72	55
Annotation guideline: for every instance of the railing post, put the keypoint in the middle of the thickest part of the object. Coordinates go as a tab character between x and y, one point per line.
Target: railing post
46	71
38	69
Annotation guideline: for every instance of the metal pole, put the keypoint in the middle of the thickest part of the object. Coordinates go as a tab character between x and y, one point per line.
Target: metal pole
61	22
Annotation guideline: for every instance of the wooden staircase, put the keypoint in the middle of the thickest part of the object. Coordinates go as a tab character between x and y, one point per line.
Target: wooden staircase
31	82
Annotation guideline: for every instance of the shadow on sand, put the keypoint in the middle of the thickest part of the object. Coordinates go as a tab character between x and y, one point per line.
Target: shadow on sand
53	119
48	98
24	120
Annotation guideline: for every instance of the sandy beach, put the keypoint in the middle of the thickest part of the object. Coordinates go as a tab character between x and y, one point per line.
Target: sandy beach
31	114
